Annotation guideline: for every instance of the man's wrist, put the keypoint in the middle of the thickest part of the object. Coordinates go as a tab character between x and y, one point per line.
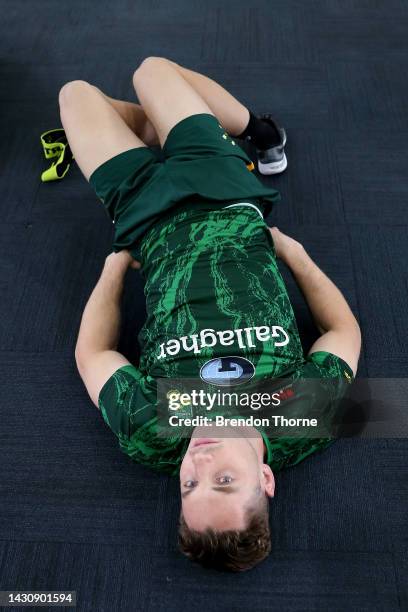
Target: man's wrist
302	266
295	256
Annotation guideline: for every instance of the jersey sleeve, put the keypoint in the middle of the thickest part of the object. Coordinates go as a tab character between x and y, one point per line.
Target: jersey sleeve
333	376
331	364
326	365
325	378
117	400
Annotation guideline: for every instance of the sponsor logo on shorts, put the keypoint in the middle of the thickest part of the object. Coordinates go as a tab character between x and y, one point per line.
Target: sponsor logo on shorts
227	371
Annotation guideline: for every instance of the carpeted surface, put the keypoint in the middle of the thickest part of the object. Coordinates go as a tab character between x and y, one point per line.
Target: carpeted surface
75	513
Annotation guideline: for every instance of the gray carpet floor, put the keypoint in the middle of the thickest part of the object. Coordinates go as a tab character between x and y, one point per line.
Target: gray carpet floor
76	514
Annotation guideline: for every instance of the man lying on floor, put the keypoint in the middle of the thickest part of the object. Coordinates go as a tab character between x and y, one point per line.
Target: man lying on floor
217	307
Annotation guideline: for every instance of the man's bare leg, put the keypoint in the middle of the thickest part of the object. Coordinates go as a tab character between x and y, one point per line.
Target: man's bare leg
96	132
233	115
167	98
135	117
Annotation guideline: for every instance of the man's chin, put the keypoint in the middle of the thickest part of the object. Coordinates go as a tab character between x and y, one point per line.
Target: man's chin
201	431
216	431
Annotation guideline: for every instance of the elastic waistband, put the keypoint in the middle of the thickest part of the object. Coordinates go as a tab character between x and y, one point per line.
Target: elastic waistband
245	204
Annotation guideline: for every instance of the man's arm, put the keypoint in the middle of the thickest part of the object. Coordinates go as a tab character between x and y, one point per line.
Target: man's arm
95	352
333	317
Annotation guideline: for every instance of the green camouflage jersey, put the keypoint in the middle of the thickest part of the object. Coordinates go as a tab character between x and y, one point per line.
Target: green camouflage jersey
214	270
213	290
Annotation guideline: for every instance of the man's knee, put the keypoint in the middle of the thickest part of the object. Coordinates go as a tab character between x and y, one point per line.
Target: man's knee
148	65
72	90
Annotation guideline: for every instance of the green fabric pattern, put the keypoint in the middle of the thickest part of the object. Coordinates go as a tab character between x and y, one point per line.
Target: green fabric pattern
212	270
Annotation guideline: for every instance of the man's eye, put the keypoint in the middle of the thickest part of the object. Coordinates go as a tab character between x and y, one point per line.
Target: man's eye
189	484
224	479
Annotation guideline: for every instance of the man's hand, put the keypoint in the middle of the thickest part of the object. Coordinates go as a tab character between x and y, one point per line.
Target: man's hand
284	244
123	260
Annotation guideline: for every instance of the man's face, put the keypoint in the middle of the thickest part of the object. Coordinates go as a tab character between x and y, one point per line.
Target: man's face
220	476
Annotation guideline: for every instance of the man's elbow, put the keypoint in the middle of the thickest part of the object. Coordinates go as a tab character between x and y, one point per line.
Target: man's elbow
81	354
357	334
345	325
347	321
78	358
351	328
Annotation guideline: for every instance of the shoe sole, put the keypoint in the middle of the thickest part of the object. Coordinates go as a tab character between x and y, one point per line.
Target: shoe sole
273	167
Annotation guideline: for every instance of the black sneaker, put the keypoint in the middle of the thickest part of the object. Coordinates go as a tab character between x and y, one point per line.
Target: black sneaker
272	160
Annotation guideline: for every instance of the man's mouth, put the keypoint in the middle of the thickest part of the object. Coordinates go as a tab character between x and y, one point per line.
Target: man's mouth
202	441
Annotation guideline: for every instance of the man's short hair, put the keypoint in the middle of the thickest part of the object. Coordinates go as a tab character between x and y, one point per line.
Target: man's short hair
233	550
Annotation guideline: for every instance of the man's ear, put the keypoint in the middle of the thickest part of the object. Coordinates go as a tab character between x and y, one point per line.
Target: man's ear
268	480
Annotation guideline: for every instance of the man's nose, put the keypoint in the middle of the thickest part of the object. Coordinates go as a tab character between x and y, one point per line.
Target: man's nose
202	458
